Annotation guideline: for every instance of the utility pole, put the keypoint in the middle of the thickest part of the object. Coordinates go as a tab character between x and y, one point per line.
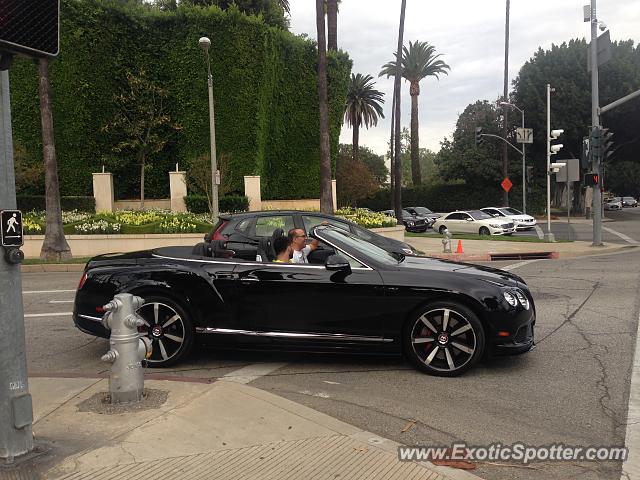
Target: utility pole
505	127
16	415
595	122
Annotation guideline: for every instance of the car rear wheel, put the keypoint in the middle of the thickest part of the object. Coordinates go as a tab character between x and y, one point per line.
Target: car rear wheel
444	339
169	328
484	231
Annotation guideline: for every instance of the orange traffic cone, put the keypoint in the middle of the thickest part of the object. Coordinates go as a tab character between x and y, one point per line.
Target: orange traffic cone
459	249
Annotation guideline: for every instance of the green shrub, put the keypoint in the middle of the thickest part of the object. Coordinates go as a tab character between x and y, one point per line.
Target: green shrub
28	203
446	198
265	85
226	204
233	204
197	203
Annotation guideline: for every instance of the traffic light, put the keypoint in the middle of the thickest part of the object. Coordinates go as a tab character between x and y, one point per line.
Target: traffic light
30	27
594	145
606	144
591	179
479	139
584	158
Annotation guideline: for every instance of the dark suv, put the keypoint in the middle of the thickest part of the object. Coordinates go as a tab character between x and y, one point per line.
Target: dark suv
412	223
243	232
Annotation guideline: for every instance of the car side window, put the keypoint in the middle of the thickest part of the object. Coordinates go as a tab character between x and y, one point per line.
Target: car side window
464	216
244	225
454	216
267	224
311	221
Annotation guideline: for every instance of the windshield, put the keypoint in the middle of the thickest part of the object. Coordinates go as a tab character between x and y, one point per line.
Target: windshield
511	211
422	210
357	246
479	215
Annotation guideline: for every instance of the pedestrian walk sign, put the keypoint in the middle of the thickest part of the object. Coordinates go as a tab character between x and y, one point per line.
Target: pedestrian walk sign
11	223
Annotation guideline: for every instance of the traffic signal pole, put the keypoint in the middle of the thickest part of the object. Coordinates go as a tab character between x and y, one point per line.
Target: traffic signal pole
595	122
16	415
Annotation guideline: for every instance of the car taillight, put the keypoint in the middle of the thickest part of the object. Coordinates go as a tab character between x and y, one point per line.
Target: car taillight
218	233
83	279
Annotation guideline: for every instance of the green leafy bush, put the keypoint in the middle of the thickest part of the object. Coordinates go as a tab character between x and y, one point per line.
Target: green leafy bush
265	85
28	203
227	204
446	198
366	218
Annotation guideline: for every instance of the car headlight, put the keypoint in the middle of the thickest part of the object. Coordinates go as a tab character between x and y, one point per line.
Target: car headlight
495	225
510	298
410	224
524	301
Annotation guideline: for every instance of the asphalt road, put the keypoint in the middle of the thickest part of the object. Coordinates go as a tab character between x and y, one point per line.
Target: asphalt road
572	389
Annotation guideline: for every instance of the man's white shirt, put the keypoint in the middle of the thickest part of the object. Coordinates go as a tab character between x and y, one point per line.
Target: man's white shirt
300	256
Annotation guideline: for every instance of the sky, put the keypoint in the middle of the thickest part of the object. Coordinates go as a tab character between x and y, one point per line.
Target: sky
470	36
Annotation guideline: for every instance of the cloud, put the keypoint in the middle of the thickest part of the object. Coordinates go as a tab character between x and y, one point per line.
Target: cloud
470	35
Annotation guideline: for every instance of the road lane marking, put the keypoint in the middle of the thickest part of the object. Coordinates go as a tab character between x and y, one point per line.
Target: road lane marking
61	301
48	291
539	232
57	314
513	266
252	372
622	236
631	466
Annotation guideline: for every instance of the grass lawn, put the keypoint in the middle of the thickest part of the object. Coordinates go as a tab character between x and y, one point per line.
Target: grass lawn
37	261
470	236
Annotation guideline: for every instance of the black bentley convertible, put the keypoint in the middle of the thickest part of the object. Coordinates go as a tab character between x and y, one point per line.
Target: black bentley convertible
352	296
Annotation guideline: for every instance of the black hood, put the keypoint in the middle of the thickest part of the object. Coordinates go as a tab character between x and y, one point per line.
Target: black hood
489	274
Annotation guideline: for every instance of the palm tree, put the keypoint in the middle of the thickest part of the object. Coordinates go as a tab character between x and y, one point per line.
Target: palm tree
326	200
332	24
397	188
55	246
418	62
363	106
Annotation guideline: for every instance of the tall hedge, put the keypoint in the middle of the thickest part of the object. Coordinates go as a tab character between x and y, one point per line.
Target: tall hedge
265	88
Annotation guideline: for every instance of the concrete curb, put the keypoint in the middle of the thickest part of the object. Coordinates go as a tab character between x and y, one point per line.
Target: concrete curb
52	267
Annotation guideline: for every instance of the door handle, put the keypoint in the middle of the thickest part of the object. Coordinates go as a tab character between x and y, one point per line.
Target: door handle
249	278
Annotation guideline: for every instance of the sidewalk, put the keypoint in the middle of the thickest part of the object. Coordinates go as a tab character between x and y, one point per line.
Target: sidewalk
483	250
193	430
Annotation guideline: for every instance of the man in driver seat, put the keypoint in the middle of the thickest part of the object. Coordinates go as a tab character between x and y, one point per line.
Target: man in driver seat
300	250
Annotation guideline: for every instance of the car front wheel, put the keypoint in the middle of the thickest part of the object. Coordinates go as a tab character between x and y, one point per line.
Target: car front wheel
169	328
442	229
485	231
444	339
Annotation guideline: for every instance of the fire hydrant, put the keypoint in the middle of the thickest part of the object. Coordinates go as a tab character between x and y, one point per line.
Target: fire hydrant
446	241
128	348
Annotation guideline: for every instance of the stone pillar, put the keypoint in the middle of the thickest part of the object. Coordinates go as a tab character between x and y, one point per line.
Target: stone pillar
103	192
178	190
252	191
334	195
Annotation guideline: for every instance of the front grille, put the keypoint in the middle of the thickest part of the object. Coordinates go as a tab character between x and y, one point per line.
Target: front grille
419	222
508	225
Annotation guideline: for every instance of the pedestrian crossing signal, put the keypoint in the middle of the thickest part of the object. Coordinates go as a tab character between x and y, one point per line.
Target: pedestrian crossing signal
591	179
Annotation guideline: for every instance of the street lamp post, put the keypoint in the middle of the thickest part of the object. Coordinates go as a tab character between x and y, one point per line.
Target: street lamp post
205	43
524	168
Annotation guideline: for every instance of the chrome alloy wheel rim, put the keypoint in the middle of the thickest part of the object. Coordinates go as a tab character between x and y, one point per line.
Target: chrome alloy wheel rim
165	328
443	339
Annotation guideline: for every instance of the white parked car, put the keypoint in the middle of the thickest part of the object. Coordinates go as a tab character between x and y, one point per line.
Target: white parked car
474	221
614	203
521	220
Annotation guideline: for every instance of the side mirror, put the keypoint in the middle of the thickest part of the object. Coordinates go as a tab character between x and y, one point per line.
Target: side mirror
469	219
337	262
